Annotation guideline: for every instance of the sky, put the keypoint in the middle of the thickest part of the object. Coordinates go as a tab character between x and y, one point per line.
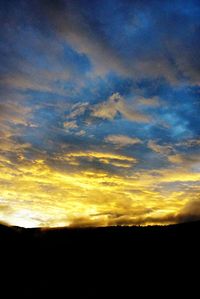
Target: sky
99	112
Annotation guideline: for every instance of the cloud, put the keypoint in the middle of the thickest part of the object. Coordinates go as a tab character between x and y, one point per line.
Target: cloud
189	143
81	133
102	157
82	26
190	212
122	140
160	149
14	112
51	191
77	110
174	156
116	104
24	82
185	159
153	102
70	124
87	31
70	21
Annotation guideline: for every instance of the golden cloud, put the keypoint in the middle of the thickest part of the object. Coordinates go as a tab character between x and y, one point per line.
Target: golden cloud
35	194
122	140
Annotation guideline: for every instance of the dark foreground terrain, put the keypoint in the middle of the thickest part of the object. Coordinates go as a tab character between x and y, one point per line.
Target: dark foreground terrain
116	262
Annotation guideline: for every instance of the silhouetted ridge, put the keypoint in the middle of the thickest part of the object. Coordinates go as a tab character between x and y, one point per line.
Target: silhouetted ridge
99	262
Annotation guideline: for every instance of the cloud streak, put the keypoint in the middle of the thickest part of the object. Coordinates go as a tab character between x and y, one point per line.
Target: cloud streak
122	140
116	104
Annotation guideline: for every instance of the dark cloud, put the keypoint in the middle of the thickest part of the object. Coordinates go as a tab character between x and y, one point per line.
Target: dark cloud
191	212
156	27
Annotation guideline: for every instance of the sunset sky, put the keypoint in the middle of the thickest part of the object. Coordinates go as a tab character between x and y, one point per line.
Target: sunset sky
99	112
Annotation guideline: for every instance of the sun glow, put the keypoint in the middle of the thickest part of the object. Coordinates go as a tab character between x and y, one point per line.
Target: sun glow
41	195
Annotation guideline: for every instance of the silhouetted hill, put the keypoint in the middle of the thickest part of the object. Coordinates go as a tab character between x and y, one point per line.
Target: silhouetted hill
100	262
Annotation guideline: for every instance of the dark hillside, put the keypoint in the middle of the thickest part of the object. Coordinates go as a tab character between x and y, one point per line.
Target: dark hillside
100	262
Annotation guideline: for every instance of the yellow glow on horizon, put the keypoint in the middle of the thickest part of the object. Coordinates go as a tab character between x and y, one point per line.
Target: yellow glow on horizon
35	194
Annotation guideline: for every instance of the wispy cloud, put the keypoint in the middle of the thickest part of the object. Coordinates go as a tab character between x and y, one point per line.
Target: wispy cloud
161	149
122	140
116	104
153	102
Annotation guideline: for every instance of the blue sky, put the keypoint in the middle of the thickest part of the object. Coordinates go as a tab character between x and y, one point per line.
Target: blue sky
99	89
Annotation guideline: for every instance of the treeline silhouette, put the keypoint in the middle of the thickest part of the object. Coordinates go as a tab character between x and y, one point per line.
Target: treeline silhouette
112	262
